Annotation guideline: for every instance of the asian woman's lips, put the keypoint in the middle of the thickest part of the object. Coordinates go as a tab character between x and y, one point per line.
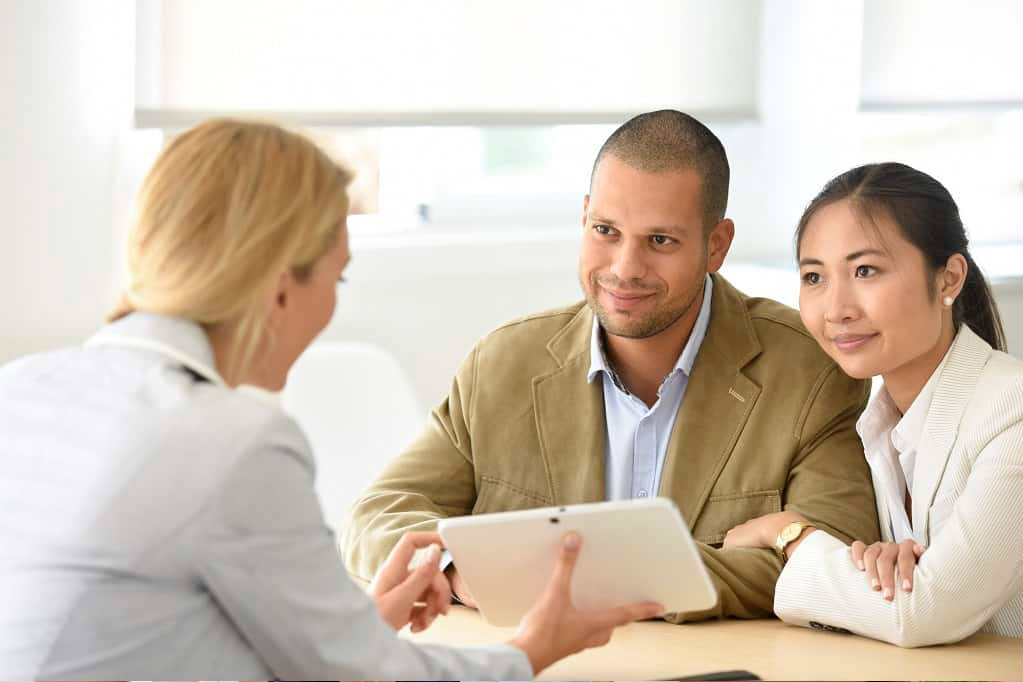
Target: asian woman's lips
852	343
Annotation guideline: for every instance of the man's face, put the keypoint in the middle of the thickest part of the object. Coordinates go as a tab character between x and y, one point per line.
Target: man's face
644	255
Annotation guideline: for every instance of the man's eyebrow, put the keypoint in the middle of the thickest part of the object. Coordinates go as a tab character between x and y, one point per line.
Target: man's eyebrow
674	230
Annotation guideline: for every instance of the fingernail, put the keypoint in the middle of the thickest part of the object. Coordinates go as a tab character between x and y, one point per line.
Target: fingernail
571	540
860	565
906	585
887	593
433	552
875	583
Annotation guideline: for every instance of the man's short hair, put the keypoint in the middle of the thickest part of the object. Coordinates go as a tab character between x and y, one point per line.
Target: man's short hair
668	140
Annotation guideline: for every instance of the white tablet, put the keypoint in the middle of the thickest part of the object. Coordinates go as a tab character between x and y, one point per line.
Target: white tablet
633	550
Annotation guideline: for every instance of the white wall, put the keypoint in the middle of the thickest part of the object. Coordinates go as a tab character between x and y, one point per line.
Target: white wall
66	89
66	74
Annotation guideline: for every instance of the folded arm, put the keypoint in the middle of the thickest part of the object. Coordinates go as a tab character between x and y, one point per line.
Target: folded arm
972	567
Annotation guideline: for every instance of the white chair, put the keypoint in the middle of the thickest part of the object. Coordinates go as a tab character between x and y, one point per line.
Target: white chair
357	408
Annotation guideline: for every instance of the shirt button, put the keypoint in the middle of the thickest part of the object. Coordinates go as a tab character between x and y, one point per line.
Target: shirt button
642	493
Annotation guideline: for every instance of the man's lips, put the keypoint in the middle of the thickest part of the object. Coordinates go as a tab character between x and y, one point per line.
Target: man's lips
626	298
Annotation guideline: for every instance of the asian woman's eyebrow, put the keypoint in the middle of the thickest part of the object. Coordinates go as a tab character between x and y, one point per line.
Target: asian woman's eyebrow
865	252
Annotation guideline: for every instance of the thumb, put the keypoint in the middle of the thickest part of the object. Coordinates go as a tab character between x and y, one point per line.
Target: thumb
420	579
561	580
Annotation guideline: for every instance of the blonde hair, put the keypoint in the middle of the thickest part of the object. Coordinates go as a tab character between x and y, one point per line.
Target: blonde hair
227	208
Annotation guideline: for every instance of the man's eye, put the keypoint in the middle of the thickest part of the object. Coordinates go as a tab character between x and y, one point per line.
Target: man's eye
811	278
602	229
662	240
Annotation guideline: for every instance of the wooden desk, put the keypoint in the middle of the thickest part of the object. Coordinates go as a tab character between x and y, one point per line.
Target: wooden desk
657	650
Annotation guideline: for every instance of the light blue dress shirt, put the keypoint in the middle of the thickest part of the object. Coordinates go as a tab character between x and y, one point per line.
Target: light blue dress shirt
637	435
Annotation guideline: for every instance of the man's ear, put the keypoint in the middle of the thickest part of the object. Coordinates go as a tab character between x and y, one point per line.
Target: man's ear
586	207
718	242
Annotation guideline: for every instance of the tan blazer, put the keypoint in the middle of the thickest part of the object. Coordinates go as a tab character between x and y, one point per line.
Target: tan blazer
767	423
967	493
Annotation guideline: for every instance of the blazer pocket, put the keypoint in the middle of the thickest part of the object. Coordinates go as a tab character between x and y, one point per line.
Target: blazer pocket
724	512
495	495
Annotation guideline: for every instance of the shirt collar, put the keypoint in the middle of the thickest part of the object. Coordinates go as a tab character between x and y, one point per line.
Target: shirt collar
181	340
686	359
882	417
907	433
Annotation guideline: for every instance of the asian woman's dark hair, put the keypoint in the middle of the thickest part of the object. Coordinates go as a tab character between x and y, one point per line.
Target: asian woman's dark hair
927	216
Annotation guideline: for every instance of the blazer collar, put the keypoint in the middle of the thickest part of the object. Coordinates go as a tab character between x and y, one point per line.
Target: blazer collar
571	423
718	401
180	340
569	414
956	384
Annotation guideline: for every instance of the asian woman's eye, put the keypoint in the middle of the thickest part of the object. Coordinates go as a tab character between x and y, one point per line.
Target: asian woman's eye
865	270
811	278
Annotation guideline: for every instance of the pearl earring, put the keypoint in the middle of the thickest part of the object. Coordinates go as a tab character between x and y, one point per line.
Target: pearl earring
948	301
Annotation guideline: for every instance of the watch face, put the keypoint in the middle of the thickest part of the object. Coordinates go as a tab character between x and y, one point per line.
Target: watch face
791	532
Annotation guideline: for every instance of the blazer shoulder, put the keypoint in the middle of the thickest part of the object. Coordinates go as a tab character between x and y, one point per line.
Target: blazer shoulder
768	313
553	319
781	332
997	400
533	331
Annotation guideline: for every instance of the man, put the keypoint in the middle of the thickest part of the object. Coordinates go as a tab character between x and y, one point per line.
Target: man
666	381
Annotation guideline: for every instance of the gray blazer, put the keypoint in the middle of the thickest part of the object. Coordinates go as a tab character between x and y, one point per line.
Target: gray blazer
159	525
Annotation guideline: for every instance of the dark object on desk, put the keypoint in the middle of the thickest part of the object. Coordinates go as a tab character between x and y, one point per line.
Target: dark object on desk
829	628
723	675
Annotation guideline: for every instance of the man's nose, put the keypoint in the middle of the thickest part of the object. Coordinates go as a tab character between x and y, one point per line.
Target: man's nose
628	262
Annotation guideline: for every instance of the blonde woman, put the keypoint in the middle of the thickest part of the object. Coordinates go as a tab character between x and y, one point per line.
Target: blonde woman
889	288
159	524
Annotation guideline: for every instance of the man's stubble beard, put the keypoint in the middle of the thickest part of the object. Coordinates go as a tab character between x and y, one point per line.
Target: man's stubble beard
652	324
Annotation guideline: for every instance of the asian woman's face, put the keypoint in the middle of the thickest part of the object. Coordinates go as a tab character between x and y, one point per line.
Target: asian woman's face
866	293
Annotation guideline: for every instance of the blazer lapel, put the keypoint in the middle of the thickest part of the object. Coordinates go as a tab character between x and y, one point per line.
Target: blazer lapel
570	418
717	403
958	379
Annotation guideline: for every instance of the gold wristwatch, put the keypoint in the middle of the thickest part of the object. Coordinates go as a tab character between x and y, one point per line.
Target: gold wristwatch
788	534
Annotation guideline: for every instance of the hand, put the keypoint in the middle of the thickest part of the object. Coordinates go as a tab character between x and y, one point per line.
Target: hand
553	628
415	597
761	531
459	588
881	560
